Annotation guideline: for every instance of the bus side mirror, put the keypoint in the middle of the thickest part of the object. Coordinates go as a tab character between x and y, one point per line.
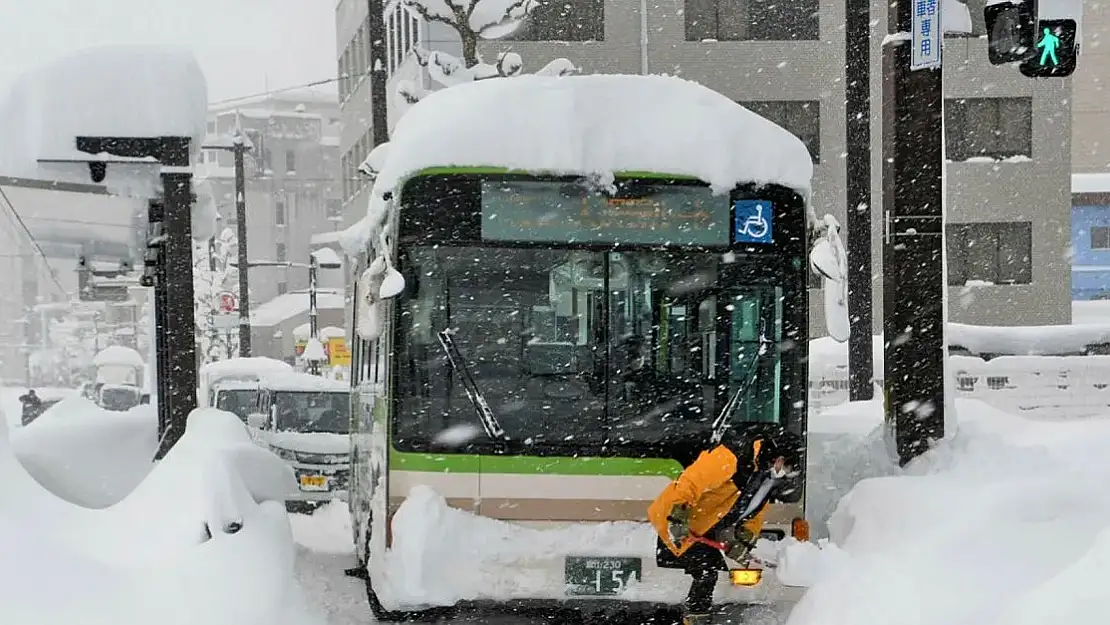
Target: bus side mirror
829	260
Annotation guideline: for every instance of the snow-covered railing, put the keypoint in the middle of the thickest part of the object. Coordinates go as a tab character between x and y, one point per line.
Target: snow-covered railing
1058	387
402	34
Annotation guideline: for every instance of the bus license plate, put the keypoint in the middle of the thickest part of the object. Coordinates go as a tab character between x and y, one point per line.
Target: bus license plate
314	482
600	576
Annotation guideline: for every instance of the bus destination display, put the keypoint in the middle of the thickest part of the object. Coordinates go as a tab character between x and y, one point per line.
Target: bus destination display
562	212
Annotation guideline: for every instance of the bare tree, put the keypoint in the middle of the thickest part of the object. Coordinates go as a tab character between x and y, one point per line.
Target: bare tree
473	20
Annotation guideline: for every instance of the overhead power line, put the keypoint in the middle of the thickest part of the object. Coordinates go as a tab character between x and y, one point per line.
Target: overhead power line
14	213
260	94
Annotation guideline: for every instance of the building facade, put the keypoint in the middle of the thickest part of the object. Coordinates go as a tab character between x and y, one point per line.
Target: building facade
292	181
1091	158
1008	138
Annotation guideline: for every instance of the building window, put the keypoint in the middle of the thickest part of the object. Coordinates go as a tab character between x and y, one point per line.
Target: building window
346	180
993	253
290	161
801	118
282	288
281	257
334	209
279	213
995	128
1100	238
752	20
562	20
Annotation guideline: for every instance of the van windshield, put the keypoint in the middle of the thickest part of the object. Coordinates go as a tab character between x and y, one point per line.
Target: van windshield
312	412
240	402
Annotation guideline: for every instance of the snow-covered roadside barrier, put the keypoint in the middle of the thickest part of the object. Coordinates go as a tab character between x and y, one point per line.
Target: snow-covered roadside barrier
204	538
1005	523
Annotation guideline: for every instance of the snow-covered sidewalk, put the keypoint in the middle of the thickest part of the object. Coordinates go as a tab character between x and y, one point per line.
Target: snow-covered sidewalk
201	538
1006	524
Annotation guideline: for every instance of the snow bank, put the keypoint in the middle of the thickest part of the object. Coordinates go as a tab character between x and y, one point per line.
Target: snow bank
148	559
12	408
1027	340
327	530
985	340
117	355
1004	523
87	455
588	125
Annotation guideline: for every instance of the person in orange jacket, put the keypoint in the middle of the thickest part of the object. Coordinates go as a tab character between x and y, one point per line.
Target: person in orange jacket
721	497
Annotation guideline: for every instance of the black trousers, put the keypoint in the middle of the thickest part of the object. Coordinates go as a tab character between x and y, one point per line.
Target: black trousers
702	563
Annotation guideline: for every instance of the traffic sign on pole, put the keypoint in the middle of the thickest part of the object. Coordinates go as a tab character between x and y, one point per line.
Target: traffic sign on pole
228	302
927	34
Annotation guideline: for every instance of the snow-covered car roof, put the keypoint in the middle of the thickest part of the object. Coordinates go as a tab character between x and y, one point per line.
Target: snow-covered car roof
303	382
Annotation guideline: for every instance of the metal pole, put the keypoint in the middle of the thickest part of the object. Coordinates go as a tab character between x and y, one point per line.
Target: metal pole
857	62
913	277
314	365
379	113
180	339
213	333
241	234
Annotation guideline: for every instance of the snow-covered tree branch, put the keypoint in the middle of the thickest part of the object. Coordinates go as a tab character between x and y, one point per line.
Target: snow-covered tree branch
213	274
473	20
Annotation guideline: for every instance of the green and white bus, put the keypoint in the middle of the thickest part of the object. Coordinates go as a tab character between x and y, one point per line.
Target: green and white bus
587	338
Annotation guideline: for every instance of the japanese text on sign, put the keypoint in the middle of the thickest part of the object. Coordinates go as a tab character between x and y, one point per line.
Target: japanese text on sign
927	34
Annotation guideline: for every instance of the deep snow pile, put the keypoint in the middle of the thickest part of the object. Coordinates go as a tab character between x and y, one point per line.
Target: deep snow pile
146	559
1006	524
87	455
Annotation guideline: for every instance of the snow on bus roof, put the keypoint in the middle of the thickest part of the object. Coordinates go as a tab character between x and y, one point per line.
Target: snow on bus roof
589	125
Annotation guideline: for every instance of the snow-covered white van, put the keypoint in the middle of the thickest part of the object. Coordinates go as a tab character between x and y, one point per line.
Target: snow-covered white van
305	419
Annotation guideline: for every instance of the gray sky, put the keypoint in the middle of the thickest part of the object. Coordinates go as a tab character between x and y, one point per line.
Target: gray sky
242	45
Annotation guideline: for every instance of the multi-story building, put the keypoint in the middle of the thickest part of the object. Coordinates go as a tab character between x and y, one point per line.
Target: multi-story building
294	192
1091	161
1008	137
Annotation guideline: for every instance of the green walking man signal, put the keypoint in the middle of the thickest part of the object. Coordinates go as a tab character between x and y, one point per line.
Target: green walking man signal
1048	45
1055	53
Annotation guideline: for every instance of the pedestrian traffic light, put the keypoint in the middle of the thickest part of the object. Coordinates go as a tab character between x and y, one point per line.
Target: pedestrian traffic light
1055	51
1011	31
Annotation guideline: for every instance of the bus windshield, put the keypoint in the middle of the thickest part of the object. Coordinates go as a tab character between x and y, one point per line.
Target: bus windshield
312	412
575	348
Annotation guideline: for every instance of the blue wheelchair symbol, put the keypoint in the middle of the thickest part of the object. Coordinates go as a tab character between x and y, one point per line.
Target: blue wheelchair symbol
753	221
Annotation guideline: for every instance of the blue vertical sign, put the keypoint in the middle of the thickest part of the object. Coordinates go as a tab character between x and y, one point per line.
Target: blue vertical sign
928	34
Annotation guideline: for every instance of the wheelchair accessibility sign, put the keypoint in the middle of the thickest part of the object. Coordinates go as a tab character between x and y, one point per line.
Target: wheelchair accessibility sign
753	221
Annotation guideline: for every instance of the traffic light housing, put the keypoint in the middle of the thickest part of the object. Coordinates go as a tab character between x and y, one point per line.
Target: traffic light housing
1011	31
1047	61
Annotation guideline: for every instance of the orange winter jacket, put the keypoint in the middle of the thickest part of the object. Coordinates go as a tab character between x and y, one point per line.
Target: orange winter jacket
707	489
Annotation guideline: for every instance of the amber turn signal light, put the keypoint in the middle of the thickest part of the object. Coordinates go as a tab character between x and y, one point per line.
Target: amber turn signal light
799	529
745	577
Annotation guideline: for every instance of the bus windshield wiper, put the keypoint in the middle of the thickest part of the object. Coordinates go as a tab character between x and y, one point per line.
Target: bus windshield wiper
489	422
724	419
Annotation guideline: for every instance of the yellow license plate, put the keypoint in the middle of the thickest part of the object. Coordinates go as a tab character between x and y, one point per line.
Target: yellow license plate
314	482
